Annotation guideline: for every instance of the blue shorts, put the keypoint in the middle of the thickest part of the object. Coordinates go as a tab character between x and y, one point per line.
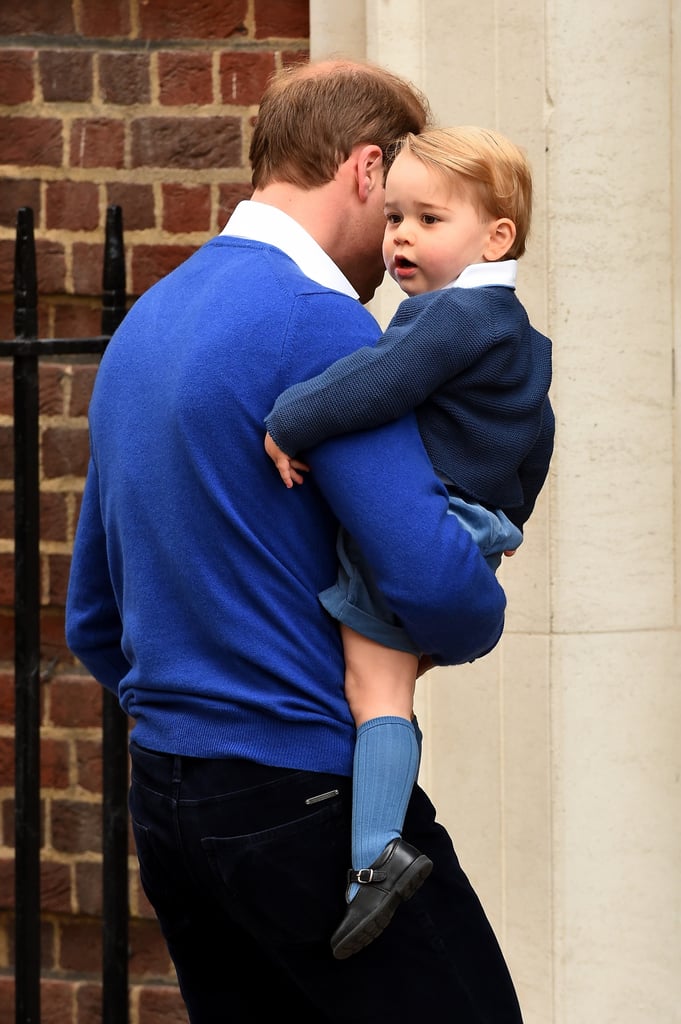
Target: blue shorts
356	601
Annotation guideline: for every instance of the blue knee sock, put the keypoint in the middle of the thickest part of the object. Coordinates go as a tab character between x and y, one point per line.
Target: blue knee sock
385	768
419	742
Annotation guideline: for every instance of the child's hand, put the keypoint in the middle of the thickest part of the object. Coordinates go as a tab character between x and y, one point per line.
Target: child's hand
286	465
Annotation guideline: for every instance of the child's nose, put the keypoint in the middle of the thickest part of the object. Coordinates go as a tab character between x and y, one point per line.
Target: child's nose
403	233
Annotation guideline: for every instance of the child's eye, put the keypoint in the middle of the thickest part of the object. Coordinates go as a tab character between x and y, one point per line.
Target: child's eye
428	218
393	218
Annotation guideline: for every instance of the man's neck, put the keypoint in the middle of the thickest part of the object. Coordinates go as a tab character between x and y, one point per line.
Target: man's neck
313	209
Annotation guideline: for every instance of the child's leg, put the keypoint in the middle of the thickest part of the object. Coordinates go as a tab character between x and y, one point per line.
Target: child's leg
379	686
378	680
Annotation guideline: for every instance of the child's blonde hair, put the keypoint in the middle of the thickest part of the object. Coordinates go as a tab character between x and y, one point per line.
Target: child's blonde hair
493	167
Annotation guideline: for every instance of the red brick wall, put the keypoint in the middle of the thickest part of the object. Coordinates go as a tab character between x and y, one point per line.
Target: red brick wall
147	104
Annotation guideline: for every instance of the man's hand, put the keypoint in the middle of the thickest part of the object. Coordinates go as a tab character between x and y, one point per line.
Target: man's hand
286	465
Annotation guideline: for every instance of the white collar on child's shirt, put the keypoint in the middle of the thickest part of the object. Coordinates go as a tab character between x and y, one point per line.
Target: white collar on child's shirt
270	225
477	275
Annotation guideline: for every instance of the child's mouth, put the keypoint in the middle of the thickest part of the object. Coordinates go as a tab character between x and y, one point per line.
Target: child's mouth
404	268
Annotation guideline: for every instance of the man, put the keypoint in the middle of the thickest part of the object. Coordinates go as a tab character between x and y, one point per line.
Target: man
194	584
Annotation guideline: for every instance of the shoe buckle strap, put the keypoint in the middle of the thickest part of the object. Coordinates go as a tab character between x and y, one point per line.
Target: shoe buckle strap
365	876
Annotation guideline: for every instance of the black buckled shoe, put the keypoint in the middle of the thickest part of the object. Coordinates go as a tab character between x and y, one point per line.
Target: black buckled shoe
394	876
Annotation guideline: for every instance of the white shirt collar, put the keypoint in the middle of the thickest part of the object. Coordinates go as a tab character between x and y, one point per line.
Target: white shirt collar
477	275
268	224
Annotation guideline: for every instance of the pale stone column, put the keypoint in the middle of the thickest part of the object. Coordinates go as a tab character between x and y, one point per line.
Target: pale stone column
616	646
555	761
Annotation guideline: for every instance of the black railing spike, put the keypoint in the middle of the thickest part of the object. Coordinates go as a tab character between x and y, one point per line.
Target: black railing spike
27	630
25	350
115	1006
113	275
25	277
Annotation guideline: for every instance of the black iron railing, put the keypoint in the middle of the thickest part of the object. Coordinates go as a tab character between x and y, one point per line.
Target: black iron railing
26	349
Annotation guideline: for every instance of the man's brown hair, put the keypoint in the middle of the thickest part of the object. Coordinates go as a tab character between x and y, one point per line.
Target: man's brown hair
313	115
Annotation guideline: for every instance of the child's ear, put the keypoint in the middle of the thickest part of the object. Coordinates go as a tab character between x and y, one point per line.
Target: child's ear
501	238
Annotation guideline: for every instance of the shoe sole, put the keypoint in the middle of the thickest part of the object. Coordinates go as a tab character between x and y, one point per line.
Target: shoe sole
412	880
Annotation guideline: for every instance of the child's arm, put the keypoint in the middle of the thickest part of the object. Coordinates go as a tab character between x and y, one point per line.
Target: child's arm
286	465
372	386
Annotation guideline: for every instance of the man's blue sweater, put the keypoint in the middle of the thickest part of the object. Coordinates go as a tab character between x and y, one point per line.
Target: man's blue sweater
195	575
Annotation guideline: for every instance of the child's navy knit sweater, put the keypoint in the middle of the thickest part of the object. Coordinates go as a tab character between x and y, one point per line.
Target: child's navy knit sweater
476	372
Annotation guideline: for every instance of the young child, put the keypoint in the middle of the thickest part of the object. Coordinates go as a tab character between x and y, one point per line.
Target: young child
461	352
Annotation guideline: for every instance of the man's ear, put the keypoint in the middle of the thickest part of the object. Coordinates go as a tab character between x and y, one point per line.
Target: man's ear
369	170
501	237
